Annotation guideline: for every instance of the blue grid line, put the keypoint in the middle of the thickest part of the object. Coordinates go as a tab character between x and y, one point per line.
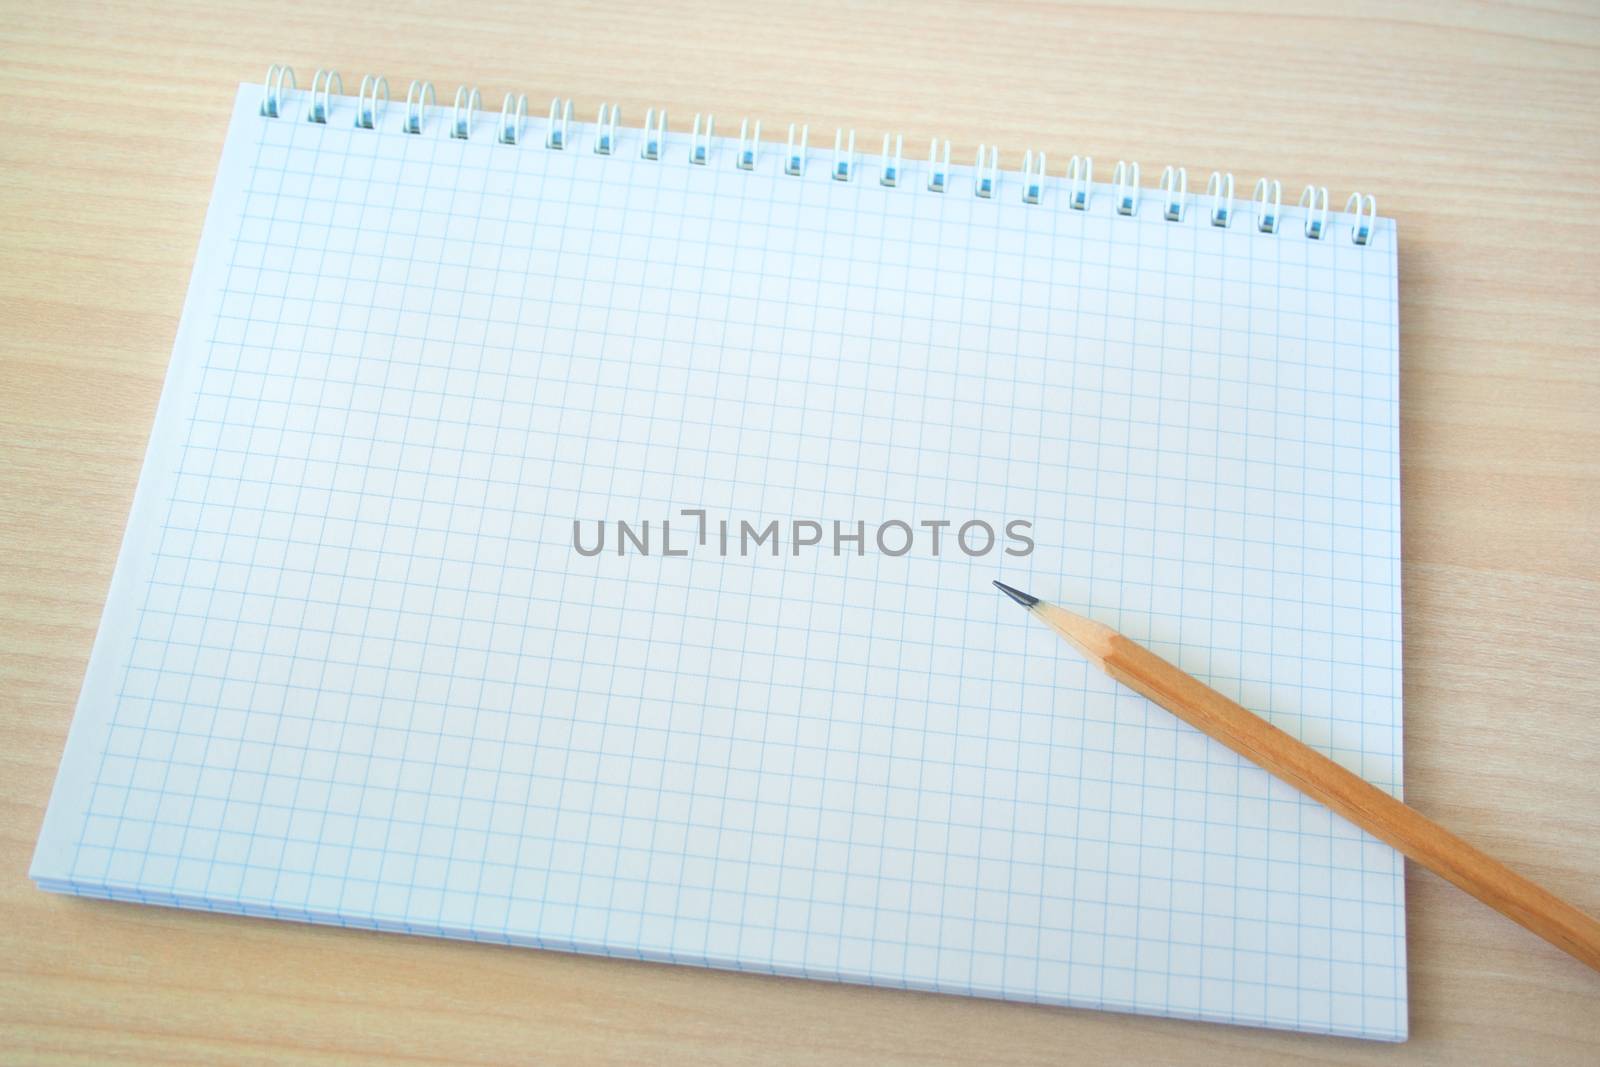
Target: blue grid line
211	596
499	744
429	159
322	538
611	474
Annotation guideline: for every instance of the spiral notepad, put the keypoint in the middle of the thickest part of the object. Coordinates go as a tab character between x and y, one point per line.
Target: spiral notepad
580	535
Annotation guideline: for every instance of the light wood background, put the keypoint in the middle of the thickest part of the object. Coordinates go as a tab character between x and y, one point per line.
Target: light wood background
1475	124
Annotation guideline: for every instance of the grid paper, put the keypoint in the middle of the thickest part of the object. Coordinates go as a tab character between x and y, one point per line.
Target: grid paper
352	670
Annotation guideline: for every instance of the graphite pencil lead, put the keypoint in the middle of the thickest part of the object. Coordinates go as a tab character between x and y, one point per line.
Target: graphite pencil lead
1018	595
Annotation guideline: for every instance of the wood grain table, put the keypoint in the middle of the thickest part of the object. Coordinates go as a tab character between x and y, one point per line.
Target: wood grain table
1477	127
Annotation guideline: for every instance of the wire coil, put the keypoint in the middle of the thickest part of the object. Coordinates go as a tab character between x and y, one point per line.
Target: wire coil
1075	187
368	109
418	97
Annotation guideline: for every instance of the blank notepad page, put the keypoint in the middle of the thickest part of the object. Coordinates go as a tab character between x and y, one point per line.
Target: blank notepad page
589	552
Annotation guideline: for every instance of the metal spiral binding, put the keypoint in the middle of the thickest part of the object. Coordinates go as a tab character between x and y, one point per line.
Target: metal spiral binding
605	135
461	123
1080	180
650	145
1365	209
560	122
700	149
420	95
889	173
512	116
1175	184
843	165
985	182
1076	185
747	148
794	162
1219	187
938	173
272	89
367	110
1315	200
322	83
1032	178
1267	209
1126	179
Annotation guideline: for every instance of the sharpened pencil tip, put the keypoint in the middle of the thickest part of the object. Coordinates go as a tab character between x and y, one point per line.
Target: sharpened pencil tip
1018	595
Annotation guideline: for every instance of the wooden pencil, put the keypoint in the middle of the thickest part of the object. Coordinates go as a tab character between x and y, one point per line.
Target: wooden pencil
1320	778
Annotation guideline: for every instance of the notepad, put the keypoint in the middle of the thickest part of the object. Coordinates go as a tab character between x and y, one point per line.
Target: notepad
580	536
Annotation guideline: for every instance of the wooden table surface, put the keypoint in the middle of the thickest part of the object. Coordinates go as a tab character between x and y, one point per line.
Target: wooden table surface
1475	125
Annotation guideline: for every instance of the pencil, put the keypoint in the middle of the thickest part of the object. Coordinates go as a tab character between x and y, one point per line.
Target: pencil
1320	778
